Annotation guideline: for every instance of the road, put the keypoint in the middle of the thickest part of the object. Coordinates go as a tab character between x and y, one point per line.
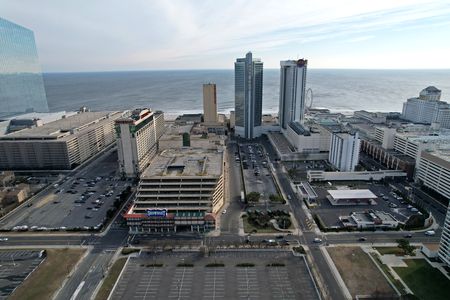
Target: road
230	220
92	269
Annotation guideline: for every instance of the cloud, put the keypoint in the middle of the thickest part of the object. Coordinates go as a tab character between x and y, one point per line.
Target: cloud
139	34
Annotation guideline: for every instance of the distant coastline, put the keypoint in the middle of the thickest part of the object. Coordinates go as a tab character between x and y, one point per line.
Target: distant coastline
180	91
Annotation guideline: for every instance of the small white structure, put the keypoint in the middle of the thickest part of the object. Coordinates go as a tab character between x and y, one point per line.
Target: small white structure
351	197
372	219
318	175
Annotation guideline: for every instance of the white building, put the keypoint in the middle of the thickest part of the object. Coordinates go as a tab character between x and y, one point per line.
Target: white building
412	144
385	136
372	219
434	170
444	245
292	91
138	135
427	108
344	151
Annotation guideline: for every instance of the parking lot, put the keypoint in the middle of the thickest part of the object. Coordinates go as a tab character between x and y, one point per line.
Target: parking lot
222	275
257	177
15	266
386	201
78	201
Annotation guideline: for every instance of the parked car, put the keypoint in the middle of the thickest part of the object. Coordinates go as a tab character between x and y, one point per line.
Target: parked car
430	232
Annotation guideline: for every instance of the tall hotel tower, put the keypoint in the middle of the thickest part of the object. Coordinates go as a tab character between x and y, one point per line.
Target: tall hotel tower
137	140
248	89
292	91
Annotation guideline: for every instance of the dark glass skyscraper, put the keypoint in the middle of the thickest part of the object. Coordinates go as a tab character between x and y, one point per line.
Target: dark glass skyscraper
248	89
21	83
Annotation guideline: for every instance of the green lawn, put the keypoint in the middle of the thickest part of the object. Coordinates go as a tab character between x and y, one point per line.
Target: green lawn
425	281
390	250
111	279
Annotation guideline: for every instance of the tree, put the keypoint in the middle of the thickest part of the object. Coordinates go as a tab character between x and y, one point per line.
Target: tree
405	246
253	197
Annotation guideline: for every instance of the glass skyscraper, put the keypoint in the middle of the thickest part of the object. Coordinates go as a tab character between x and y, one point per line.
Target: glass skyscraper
248	89
21	83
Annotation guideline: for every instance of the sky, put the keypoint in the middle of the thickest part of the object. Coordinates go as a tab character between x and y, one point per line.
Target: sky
108	35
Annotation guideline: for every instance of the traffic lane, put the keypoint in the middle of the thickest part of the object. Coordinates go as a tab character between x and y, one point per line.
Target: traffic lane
46	240
344	238
230	220
330	282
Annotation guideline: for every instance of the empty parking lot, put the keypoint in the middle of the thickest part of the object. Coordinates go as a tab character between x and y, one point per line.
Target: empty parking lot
15	266
221	275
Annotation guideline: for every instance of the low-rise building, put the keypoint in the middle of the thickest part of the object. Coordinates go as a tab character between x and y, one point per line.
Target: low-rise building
59	145
181	190
351	197
372	117
6	178
16	194
318	175
369	219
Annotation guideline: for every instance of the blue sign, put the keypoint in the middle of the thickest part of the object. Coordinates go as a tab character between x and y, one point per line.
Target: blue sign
161	213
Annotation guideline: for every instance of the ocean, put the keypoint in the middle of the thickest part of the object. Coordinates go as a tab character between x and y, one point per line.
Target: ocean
180	91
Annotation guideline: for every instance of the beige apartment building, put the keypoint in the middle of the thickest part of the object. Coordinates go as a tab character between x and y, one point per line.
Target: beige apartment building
209	104
59	145
181	190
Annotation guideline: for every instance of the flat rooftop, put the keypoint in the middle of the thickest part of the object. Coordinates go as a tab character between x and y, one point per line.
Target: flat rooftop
186	162
63	127
352	194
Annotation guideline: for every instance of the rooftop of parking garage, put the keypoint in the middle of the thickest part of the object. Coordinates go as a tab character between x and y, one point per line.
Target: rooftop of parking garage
186	162
63	127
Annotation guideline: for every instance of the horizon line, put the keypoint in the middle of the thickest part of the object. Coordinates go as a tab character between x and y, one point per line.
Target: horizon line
230	69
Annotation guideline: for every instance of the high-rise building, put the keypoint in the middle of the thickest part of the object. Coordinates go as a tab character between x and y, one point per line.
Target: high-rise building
292	91
21	83
427	108
138	135
344	151
209	103
248	89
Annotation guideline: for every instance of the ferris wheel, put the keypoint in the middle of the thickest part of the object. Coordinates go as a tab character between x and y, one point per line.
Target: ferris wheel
309	98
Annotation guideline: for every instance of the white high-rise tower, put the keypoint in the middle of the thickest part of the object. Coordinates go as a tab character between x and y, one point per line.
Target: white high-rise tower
292	91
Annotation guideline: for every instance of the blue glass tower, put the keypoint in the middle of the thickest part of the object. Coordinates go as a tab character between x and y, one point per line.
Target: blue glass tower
21	83
248	93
